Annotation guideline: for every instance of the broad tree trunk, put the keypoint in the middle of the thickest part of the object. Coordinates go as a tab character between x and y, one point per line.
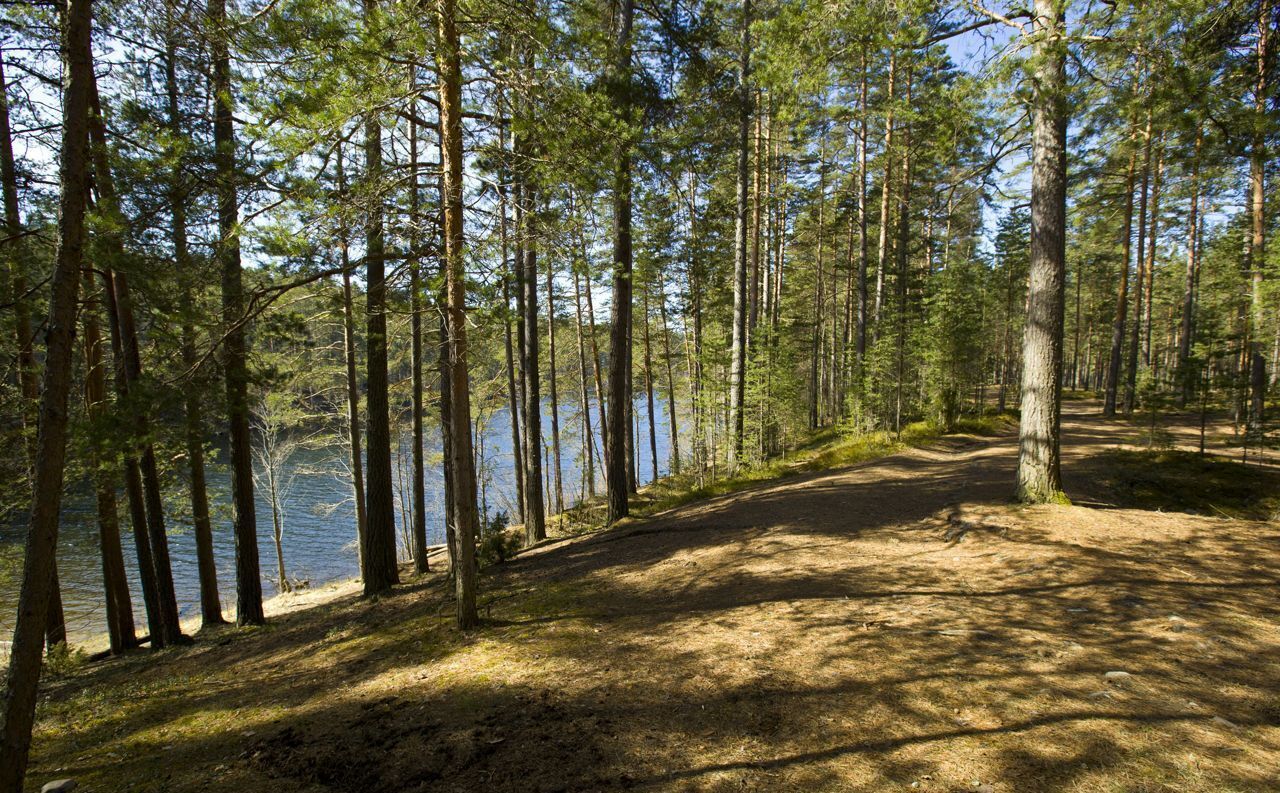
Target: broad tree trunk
1039	477
22	681
379	571
464	479
235	365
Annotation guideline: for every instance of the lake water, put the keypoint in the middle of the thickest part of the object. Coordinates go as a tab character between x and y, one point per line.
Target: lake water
319	534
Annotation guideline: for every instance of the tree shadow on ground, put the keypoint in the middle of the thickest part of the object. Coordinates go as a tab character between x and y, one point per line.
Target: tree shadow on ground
831	631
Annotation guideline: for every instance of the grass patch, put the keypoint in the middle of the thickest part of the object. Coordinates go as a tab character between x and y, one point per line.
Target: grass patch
1183	481
832	447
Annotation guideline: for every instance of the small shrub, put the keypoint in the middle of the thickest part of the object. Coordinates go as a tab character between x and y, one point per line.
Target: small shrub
498	543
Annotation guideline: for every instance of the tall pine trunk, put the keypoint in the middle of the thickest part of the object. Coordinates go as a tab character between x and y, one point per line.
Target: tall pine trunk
463	462
1186	378
616	452
130	366
738	349
1111	399
235	358
206	566
379	570
28	372
418	485
1039	477
22	681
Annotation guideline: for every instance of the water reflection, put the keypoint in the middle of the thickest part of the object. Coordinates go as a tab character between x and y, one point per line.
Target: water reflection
319	535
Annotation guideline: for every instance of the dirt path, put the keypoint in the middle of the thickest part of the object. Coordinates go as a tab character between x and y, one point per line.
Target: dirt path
894	625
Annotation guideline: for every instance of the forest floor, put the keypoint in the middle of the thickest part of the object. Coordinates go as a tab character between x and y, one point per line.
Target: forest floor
891	625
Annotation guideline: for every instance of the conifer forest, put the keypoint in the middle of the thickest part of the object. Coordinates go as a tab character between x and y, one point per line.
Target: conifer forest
577	395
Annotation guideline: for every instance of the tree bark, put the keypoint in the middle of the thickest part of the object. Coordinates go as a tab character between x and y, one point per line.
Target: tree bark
235	359
418	487
464	490
206	565
130	365
587	434
22	681
28	371
648	384
555	399
620	311
738	349
119	607
671	381
1258	225
353	382
379	571
1039	477
1122	299
1140	278
535	527
886	191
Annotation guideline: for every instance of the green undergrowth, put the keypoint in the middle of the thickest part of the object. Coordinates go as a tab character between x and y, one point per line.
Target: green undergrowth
1182	481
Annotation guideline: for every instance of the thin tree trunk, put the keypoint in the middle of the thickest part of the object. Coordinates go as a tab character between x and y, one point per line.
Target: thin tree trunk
587	435
671	381
620	311
886	191
1151	254
119	606
738	349
1122	300
131	367
206	565
648	384
28	371
1135	338
535	528
418	487
380	571
814	353
353	383
1039	477
555	398
513	394
464	490
235	366
753	295
1258	225
22	682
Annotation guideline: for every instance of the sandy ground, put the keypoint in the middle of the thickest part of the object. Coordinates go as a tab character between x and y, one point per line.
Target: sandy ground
896	625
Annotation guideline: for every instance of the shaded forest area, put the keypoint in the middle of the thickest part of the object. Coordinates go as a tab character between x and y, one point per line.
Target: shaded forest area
238	232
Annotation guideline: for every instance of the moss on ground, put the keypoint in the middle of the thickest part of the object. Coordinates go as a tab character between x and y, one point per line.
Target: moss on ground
1182	481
